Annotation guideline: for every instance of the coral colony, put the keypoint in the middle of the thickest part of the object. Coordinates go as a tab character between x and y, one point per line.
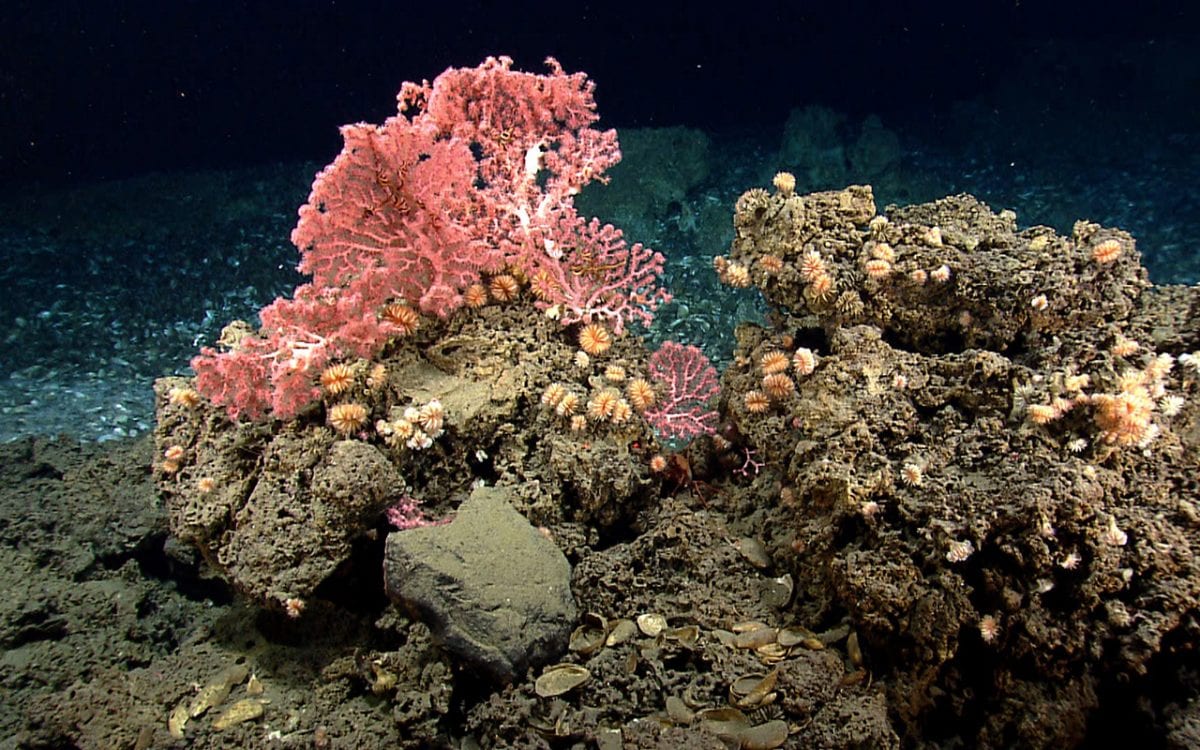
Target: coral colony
957	436
473	178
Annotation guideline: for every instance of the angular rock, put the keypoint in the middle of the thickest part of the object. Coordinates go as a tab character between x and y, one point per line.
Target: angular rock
494	591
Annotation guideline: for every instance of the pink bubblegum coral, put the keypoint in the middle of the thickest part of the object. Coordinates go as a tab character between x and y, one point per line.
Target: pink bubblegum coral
394	217
476	173
481	175
690	381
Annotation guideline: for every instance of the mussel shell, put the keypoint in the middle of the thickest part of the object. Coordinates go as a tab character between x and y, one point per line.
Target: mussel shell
621	631
560	679
792	636
766	736
686	635
755	638
651	624
726	723
589	637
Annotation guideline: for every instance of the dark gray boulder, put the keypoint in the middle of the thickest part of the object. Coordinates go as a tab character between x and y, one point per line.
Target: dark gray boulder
493	589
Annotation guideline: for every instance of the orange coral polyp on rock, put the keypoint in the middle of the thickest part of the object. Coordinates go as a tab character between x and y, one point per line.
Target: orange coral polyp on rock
773	362
543	285
1124	418
603	404
821	287
1106	252
737	275
337	379
640	392
186	397
347	418
771	264
475	296
595	339
805	361
785	183
621	412
778	386
878	268
567	405
504	288
553	394
812	266
756	402
401	317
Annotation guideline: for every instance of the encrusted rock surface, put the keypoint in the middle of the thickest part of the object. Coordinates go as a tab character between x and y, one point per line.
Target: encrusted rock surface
278	508
952	500
991	468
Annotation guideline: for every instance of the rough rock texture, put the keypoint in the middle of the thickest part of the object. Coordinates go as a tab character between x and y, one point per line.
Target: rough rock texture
902	551
494	590
991	469
272	497
113	647
279	508
705	580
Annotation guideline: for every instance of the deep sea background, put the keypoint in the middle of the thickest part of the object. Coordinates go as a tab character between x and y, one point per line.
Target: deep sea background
153	154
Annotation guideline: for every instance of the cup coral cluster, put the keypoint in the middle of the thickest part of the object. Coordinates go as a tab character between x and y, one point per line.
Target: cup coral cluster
414	427
1132	413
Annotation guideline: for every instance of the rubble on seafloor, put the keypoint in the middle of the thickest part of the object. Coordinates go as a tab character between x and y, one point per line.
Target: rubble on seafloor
952	497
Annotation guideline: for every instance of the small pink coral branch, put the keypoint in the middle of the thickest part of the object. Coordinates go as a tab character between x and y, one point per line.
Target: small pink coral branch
690	382
407	514
274	370
601	278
